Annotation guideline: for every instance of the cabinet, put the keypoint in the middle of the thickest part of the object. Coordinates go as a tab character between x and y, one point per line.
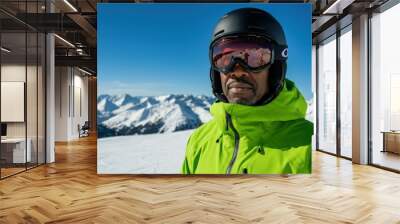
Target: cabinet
391	142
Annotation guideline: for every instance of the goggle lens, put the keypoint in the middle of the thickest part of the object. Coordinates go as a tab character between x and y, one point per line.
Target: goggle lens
253	52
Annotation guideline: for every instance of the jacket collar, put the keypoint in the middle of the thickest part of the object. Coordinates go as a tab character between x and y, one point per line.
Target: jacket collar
288	105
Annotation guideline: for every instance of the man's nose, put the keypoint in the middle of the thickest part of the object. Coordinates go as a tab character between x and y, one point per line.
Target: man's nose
238	71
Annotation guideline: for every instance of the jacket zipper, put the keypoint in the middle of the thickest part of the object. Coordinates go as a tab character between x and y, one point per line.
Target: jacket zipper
235	151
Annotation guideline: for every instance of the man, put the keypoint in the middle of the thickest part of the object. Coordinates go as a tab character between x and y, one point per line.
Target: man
258	124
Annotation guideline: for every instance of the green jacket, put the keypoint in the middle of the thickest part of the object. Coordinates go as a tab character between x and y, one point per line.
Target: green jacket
270	139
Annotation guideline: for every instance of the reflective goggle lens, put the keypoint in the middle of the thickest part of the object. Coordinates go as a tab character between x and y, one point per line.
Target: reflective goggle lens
253	52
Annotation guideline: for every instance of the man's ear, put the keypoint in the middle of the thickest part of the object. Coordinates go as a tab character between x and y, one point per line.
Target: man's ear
216	86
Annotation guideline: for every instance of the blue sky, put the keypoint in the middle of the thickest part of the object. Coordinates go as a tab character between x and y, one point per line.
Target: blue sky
154	49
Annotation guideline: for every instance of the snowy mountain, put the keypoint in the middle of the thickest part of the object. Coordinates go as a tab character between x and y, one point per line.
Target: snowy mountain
128	115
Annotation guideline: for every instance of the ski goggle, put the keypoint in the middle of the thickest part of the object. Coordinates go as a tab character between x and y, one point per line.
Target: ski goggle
253	53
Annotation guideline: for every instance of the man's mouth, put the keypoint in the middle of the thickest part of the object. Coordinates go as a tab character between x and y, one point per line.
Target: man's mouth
239	85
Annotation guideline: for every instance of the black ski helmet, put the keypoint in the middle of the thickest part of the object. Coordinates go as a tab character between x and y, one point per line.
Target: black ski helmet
253	21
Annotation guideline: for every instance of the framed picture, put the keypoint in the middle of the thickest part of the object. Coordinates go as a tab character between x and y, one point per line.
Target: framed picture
204	88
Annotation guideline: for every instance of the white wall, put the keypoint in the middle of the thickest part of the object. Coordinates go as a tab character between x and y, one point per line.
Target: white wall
71	87
62	81
12	101
33	126
17	73
80	100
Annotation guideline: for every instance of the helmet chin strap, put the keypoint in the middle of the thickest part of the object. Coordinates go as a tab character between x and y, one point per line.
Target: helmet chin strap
274	89
269	96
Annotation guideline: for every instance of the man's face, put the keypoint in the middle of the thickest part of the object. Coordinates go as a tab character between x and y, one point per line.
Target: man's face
244	87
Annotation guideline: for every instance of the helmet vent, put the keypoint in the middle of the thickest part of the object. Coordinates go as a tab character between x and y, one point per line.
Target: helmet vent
258	28
219	32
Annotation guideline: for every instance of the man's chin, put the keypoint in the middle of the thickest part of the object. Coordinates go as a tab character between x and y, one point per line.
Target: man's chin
242	101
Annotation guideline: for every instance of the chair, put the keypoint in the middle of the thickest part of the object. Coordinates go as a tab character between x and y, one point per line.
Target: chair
84	130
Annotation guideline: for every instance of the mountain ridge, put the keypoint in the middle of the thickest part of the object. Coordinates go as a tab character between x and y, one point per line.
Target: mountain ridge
128	115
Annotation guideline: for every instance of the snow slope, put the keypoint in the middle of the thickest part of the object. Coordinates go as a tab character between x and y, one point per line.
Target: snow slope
142	154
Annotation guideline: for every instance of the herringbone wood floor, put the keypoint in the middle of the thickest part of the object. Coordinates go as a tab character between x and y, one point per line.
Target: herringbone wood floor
70	191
